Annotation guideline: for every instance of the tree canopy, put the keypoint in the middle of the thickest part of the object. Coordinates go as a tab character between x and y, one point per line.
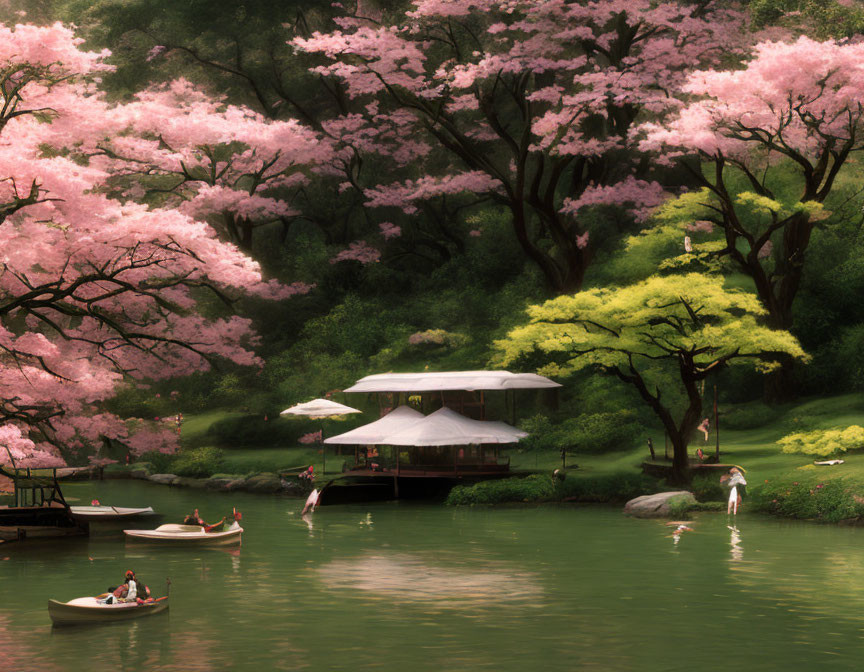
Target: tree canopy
679	328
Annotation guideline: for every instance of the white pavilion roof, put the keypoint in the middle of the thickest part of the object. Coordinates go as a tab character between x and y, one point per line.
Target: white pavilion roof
374	433
446	427
451	380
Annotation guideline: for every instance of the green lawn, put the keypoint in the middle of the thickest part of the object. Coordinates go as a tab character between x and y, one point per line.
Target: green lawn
196	426
754	449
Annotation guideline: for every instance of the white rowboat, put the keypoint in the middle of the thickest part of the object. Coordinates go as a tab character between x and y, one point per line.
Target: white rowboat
108	512
89	610
193	535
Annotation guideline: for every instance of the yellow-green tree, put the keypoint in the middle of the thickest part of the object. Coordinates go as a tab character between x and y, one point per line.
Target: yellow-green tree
663	335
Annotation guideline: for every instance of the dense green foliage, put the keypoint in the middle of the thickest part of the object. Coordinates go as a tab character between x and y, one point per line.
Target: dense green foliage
615	487
809	498
199	462
441	296
586	433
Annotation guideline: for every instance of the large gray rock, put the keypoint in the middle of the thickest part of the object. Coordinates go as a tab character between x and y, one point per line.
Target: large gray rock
657	506
165	479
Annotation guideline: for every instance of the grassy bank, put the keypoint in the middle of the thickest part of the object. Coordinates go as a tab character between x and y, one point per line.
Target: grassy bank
748	438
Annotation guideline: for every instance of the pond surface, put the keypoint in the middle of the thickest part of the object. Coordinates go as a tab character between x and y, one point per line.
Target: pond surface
396	586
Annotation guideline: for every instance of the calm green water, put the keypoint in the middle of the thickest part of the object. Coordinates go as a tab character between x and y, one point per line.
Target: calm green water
415	587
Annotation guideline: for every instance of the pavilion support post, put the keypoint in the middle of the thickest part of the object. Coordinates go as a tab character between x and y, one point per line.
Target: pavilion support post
716	427
396	477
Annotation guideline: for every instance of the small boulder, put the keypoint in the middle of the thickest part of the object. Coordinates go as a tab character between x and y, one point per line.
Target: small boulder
164	479
657	505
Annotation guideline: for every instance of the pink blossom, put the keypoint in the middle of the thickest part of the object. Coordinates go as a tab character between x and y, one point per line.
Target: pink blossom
360	251
389	230
155	52
639	196
406	194
311	437
582	240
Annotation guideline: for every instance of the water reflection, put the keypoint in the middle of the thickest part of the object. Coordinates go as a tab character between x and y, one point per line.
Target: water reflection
407	578
737	549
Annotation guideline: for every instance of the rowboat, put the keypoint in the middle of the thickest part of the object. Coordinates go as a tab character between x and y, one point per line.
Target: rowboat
89	610
187	534
107	513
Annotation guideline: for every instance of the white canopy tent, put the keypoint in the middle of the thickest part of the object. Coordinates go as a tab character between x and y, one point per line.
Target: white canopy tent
446	427
375	433
319	408
451	380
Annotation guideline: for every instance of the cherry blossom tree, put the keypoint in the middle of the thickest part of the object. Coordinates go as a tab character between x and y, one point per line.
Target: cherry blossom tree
223	163
530	103
94	291
798	105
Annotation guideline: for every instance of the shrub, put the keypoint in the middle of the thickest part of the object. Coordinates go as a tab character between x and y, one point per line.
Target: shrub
535	488
159	463
681	506
617	487
587	433
604	432
707	488
253	430
438	337
542	435
199	462
828	501
823	442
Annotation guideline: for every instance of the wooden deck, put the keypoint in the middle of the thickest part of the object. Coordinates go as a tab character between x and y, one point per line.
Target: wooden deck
431	471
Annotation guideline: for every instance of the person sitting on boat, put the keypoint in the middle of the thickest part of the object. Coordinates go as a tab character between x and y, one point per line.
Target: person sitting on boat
131	585
193	519
215	527
143	592
309	474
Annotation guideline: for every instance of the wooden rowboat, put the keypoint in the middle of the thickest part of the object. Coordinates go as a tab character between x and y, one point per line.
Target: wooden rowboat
193	535
88	610
96	513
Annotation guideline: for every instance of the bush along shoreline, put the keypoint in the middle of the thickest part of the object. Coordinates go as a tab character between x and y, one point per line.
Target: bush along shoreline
537	488
808	498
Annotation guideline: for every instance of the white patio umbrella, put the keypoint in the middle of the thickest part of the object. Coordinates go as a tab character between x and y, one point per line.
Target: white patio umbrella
320	409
